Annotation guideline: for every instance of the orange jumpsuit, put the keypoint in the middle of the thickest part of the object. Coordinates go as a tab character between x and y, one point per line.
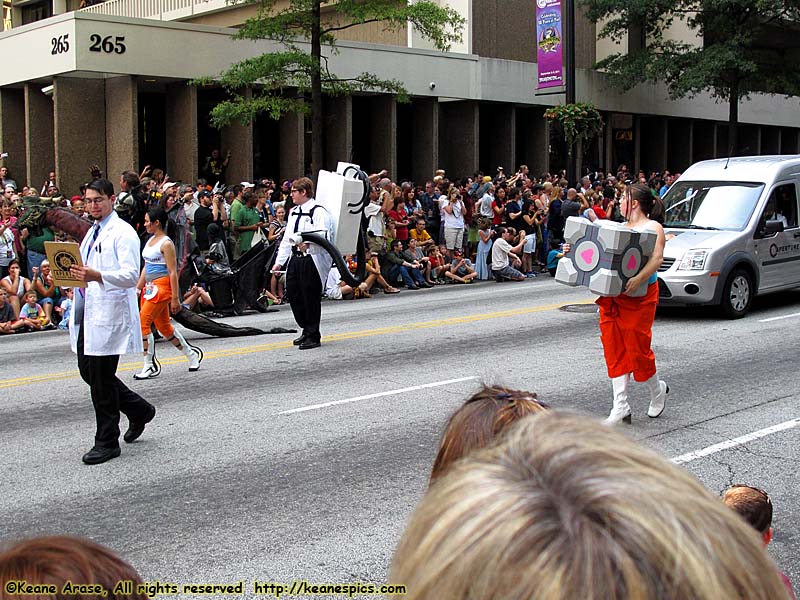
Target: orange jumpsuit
626	330
155	308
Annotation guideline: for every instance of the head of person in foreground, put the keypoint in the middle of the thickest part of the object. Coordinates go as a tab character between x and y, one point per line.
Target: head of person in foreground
50	562
564	507
480	420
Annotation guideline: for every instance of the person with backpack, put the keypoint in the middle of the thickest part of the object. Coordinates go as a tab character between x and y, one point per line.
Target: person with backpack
307	265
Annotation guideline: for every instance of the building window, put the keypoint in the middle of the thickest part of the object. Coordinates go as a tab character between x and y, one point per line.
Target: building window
37	12
6	15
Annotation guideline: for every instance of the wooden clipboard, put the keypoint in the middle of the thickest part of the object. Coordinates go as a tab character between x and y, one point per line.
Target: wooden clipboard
63	255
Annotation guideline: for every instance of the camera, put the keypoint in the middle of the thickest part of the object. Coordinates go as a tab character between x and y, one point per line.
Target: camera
432	85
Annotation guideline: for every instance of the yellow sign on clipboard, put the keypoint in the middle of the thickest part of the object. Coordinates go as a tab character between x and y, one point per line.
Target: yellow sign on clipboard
63	255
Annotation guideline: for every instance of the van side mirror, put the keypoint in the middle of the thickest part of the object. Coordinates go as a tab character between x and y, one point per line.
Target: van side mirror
771	228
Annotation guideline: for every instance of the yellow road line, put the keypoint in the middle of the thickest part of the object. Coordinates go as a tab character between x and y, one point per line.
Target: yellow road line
174	360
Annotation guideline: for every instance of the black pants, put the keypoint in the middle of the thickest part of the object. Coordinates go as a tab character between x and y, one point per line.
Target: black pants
109	396
304	292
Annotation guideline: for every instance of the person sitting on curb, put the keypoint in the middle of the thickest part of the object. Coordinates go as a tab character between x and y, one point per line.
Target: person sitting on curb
374	275
409	271
502	252
414	254
461	269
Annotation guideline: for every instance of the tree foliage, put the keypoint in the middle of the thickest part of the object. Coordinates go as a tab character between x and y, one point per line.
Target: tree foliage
282	81
744	46
578	122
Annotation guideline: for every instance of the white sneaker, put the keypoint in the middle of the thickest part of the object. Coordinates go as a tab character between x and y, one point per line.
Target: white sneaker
195	357
149	371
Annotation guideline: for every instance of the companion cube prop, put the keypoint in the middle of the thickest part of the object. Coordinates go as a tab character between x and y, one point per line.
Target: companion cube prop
604	255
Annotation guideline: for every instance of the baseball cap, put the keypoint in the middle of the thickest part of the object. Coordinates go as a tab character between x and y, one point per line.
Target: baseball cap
203	194
247	184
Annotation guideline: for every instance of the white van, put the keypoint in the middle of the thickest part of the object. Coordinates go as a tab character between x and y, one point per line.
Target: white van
732	232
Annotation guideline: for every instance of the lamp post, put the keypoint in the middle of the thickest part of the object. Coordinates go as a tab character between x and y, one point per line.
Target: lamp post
568	8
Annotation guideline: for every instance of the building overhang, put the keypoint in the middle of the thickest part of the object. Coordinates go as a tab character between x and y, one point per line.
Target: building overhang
159	52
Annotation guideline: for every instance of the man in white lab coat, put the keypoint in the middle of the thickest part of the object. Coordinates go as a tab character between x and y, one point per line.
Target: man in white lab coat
105	321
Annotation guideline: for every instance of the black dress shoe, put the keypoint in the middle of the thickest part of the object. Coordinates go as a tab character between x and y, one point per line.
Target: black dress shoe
98	455
299	340
412	287
309	344
136	428
425	285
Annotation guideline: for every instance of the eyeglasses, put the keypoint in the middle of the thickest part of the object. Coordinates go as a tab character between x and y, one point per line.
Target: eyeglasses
97	200
296	190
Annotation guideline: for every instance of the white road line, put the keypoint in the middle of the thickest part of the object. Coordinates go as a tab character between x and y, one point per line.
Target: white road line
739	441
779	318
378	395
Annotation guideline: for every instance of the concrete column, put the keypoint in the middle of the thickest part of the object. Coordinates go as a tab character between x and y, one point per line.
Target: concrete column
383	141
78	143
637	144
59	7
39	137
338	131
182	161
425	149
293	152
238	139
12	133
459	137
122	126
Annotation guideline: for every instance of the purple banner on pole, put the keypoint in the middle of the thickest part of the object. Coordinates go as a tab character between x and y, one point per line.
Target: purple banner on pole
549	43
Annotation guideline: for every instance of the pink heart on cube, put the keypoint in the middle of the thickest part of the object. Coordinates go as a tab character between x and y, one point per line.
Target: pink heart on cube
632	263
587	256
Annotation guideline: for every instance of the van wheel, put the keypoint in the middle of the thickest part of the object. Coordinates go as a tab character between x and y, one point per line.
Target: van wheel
737	295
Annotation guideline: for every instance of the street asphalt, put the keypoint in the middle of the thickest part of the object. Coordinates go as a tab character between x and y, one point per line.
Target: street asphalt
243	475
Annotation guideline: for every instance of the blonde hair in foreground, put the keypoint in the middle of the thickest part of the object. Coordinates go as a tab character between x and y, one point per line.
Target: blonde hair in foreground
567	508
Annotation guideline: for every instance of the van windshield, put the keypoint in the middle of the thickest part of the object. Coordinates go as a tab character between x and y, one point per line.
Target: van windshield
724	205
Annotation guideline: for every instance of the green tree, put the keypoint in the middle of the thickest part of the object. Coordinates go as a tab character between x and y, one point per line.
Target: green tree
282	80
745	46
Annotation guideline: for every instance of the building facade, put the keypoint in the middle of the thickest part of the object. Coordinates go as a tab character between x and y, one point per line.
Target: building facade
109	85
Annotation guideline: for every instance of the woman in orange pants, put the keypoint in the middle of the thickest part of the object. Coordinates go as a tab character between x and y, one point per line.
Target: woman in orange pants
158	285
626	322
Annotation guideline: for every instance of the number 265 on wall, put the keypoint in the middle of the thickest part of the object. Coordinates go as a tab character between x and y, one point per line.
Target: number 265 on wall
108	44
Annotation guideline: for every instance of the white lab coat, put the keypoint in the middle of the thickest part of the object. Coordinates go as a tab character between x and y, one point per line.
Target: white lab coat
110	308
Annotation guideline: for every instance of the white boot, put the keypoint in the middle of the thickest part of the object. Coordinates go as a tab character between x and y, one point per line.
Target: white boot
192	353
657	390
621	411
151	368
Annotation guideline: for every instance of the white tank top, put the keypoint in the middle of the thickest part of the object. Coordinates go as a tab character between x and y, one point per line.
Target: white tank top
155	264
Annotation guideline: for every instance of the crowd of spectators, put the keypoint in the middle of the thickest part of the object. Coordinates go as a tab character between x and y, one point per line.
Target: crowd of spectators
442	231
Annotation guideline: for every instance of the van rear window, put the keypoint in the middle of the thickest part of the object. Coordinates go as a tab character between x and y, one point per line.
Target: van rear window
726	205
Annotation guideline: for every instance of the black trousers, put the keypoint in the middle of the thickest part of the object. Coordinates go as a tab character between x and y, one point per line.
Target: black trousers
109	396
304	291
